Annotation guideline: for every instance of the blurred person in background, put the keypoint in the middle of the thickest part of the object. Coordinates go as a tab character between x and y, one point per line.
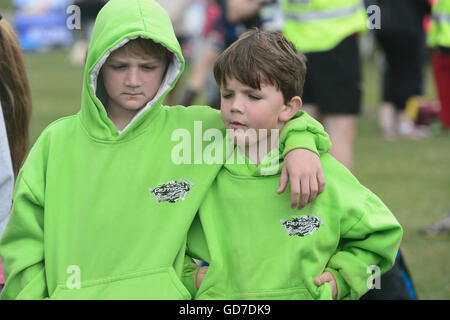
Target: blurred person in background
177	11
327	32
89	10
439	41
225	21
15	111
402	40
207	45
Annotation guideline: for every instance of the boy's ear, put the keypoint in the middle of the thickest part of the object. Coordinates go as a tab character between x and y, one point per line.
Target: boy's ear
290	109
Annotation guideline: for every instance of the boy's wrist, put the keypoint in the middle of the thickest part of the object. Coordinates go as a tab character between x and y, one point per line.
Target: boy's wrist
343	288
189	277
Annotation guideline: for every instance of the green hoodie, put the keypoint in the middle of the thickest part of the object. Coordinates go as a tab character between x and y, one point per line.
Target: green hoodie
103	214
260	248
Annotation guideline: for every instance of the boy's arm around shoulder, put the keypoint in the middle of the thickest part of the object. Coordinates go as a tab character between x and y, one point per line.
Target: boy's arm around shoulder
370	236
303	131
302	141
22	244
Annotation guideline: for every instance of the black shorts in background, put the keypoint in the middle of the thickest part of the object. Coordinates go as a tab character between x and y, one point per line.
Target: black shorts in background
333	79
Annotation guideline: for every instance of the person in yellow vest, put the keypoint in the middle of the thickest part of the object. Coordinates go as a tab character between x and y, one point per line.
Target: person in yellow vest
326	31
439	40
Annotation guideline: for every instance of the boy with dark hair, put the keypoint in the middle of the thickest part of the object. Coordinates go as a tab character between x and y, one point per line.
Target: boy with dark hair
101	209
255	248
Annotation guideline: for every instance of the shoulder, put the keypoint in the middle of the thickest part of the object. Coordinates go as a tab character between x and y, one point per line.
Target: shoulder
342	187
58	130
207	116
336	172
61	125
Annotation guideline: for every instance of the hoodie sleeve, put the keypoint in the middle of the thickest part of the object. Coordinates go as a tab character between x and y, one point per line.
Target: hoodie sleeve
370	237
304	132
22	244
6	176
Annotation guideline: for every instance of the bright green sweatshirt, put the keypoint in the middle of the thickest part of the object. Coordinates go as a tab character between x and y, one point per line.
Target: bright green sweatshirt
260	248
103	214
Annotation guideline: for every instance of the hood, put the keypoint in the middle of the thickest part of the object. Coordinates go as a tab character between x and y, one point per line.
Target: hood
118	22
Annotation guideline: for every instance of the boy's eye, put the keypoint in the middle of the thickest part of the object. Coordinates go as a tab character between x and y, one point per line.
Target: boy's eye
227	95
149	68
118	67
254	97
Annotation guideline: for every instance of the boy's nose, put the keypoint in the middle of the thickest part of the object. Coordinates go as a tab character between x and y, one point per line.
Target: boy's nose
237	106
133	79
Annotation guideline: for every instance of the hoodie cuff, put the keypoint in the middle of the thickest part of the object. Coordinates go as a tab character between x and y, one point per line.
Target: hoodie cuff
343	289
299	140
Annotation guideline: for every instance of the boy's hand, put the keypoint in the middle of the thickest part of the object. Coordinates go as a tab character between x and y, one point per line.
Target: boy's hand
302	167
327	277
200	275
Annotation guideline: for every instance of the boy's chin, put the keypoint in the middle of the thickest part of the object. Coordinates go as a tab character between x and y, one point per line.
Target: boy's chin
134	106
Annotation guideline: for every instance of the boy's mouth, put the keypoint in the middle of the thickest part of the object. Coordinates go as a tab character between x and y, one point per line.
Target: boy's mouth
132	94
237	125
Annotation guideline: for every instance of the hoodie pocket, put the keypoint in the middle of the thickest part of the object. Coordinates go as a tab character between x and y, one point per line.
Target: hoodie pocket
155	284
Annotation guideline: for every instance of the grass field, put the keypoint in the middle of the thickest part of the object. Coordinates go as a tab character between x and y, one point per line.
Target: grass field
412	177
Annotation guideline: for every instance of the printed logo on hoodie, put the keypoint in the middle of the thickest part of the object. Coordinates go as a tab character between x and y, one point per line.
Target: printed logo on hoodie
171	191
302	225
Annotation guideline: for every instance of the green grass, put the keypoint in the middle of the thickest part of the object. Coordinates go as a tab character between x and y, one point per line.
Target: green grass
55	88
411	177
6	4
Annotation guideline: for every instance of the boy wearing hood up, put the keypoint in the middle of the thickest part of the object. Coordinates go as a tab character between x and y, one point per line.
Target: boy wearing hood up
101	210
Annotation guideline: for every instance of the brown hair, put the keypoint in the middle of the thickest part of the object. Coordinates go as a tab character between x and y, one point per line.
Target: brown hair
263	57
142	47
15	95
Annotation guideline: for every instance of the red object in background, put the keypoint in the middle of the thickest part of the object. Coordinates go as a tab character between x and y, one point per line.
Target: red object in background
213	13
428	113
441	70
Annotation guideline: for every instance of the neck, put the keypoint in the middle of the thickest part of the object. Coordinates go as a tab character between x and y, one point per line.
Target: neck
265	143
120	117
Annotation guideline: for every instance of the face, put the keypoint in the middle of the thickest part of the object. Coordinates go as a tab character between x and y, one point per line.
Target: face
131	82
244	108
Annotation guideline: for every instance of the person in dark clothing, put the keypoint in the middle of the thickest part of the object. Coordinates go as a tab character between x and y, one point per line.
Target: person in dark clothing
402	40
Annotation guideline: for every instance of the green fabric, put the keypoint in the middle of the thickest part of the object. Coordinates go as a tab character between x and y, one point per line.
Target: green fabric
85	222
319	25
311	135
239	231
439	32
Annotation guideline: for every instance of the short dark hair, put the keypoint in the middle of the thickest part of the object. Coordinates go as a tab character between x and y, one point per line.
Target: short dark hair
263	57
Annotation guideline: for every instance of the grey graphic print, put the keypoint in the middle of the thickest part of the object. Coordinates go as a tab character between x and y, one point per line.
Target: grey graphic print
171	191
302	225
